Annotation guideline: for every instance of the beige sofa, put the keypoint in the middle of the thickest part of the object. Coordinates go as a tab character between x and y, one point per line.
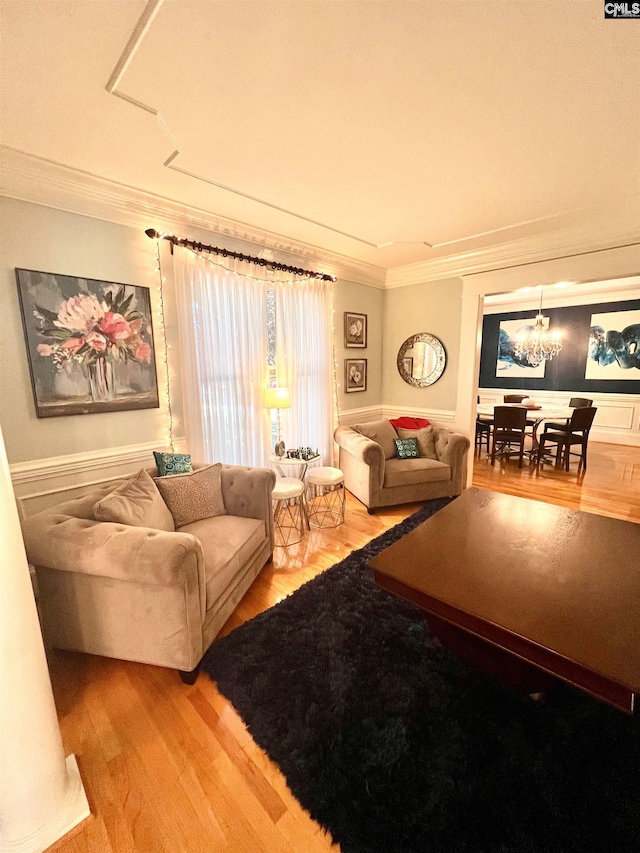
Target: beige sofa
145	594
378	478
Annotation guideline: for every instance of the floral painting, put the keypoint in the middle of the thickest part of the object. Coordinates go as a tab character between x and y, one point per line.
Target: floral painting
355	374
89	343
355	330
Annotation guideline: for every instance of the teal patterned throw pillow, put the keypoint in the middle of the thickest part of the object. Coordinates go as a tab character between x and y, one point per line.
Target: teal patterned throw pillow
407	448
172	463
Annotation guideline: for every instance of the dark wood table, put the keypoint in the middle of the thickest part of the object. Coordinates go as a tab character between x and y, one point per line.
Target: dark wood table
529	591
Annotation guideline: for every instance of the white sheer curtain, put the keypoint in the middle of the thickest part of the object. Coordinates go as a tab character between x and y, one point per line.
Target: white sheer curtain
222	319
304	355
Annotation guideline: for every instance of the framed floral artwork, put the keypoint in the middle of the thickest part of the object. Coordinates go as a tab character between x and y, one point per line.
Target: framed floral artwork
89	344
355	330
355	374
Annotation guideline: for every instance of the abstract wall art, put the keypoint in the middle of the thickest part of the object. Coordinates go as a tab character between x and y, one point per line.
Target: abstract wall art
508	362
600	350
614	346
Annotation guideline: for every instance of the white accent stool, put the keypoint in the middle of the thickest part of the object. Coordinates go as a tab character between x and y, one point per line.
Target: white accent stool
288	511
325	497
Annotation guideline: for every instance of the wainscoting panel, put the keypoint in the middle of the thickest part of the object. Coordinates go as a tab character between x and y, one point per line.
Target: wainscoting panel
617	420
351	417
42	483
439	417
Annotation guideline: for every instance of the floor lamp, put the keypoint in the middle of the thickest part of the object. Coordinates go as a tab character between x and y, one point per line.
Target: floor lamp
277	398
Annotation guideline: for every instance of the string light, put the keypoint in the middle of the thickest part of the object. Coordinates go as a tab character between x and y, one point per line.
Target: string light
336	417
246	274
165	347
158	236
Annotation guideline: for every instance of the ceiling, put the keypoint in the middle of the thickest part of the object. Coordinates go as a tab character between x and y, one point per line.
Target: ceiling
367	129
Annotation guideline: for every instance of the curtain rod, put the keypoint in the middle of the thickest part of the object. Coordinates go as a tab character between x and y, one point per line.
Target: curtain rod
240	256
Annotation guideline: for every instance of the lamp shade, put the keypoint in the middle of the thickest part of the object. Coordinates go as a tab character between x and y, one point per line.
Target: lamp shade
277	398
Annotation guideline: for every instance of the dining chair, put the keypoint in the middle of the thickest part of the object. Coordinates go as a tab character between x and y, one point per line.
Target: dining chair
484	425
508	432
576	432
518	398
574	403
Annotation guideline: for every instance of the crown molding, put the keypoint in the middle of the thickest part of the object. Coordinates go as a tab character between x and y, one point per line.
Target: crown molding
611	232
26	177
33	179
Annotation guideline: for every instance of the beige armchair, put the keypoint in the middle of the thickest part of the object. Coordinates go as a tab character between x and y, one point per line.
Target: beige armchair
144	594
378	478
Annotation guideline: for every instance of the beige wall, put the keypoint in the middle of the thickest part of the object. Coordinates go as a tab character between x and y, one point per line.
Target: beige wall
432	307
48	240
361	299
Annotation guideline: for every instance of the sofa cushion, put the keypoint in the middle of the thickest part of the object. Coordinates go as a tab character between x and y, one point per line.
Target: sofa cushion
172	463
425	439
407	448
408	472
136	502
383	433
228	542
191	497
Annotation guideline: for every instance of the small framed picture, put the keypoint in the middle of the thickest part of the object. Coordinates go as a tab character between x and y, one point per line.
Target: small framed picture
407	364
355	330
355	374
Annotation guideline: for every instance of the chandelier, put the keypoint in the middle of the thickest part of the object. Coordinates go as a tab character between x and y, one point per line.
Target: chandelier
538	344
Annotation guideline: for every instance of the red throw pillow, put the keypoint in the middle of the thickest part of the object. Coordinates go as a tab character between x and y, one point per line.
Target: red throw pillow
410	423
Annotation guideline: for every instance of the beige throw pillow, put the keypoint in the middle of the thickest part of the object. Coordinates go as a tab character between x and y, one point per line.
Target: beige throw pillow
191	497
137	503
382	432
426	442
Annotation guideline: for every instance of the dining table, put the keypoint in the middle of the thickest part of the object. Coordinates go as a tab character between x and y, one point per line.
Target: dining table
535	416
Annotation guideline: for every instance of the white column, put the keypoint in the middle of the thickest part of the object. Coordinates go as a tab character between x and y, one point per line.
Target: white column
41	793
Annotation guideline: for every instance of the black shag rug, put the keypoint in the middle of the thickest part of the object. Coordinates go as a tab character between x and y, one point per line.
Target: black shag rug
395	746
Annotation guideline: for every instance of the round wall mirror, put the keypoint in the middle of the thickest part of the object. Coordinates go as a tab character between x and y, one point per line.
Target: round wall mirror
421	360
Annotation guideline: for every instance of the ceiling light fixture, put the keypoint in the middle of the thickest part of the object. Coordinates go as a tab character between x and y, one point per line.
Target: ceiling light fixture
537	343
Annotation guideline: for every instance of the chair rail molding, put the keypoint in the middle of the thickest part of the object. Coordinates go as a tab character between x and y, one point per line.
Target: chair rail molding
438	417
351	417
41	483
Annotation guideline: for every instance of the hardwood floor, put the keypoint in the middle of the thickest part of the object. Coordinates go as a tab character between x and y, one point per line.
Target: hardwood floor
610	486
172	768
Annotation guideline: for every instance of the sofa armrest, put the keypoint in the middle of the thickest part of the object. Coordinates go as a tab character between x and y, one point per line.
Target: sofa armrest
247	493
358	445
364	450
118	551
451	448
